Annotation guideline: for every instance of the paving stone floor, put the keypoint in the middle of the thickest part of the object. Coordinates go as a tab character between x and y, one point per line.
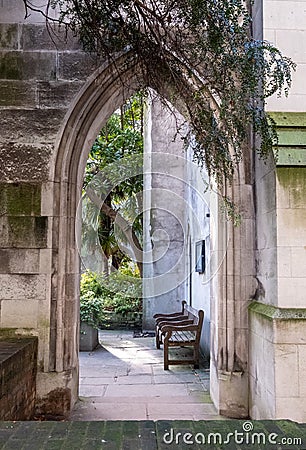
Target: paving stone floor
153	435
128	402
124	379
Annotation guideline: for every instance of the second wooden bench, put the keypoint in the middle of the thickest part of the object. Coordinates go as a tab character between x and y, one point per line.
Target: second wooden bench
180	329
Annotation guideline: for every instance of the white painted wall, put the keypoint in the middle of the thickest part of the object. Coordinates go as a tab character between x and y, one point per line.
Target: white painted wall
199	229
165	250
176	202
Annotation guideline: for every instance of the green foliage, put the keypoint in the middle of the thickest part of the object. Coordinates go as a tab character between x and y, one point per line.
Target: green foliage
91	309
91	282
91	303
119	292
120	139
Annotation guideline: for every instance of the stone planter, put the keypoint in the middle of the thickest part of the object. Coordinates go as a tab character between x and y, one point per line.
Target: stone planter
88	337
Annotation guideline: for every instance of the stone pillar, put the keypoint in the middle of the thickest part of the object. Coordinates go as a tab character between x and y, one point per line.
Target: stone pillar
232	269
277	319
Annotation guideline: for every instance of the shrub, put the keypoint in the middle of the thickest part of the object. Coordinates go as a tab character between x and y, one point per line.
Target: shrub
119	292
91	309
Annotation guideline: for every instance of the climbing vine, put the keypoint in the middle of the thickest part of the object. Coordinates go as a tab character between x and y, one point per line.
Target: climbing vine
204	50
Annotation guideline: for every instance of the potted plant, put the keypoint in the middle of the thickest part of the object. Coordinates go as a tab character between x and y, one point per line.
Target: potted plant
90	316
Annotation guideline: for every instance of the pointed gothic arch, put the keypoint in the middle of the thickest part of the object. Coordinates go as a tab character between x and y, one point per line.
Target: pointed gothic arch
105	90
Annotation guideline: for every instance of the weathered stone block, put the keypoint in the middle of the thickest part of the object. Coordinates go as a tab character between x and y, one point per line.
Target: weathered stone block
45	261
24	162
16	65
291	408
291	227
18	199
38	37
284	263
35	125
291	332
9	36
12	11
21	287
17	93
291	292
56	94
19	261
286	356
19	313
55	405
76	65
50	193
10	65
24	232
293	181
298	261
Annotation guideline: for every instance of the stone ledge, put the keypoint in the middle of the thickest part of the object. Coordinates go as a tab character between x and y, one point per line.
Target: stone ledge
271	312
291	130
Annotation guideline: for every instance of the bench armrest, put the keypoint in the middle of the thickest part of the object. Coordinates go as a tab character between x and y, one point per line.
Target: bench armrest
176	314
171	319
175	325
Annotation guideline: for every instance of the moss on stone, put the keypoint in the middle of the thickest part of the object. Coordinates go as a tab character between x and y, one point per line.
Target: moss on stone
20	226
271	312
9	36
28	231
11	66
40	231
14	333
289	119
20	199
293	179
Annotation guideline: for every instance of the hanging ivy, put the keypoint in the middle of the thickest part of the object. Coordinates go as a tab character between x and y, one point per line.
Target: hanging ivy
204	49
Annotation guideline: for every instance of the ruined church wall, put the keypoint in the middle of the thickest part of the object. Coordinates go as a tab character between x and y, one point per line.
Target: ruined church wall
277	320
165	220
39	79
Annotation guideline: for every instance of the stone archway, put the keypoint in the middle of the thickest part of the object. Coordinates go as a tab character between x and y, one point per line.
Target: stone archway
40	172
102	94
97	100
46	93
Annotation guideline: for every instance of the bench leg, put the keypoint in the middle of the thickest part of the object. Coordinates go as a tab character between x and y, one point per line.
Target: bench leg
196	357
157	341
166	357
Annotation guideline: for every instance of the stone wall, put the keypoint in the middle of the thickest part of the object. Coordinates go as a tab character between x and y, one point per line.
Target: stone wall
18	367
277	321
277	380
281	262
51	108
284	25
40	76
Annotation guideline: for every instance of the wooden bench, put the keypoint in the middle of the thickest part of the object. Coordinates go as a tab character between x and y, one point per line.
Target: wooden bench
180	329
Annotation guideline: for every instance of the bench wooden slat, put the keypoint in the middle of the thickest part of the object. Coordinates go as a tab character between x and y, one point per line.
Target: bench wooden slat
185	336
174	330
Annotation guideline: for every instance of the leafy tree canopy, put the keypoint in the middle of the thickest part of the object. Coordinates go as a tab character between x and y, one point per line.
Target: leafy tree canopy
205	50
108	174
